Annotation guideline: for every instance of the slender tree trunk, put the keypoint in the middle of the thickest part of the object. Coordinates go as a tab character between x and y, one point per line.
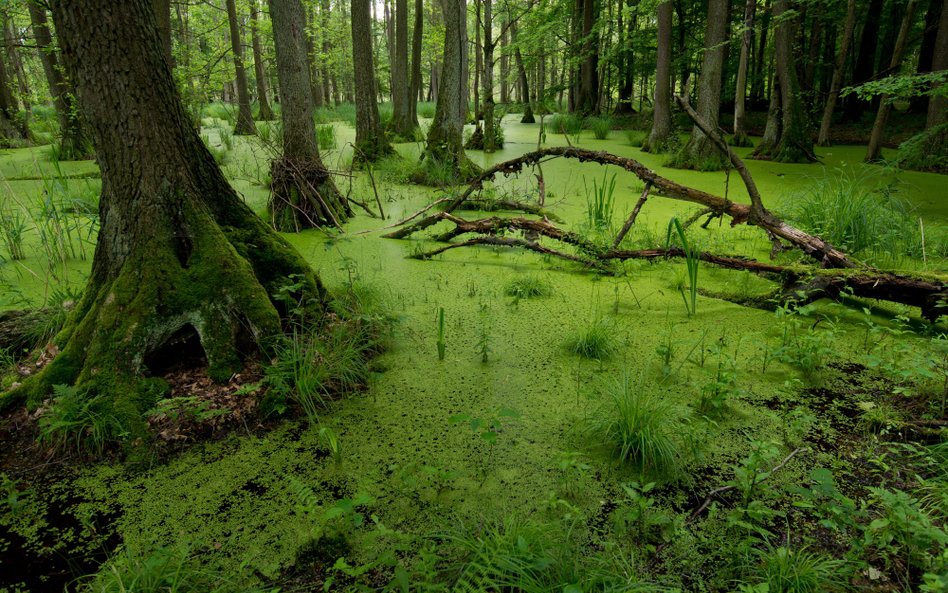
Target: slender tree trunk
865	58
17	65
444	146
700	152
303	194
523	81
73	143
490	132
403	122
795	143
260	73
416	64
661	109
926	52
244	125
179	255
10	133
478	53
874	150
740	90
504	61
370	143
837	82
759	78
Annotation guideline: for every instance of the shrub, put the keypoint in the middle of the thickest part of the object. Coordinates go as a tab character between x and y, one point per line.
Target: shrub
567	124
426	109
326	134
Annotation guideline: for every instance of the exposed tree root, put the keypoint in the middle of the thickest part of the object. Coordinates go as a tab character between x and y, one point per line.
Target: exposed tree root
303	196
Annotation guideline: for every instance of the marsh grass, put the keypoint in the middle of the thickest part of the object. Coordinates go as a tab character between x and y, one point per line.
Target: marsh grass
527	287
426	109
600	202
692	254
859	213
637	426
799	571
566	124
600	126
14	226
326	135
596	341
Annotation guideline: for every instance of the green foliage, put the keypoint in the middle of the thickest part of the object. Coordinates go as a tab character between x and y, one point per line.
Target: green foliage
637	427
925	151
803	345
528	286
80	420
716	393
903	86
426	109
595	341
566	124
903	535
692	257
600	126
640	519
859	214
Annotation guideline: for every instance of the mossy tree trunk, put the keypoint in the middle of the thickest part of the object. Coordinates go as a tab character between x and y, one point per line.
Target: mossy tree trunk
10	133
587	92
700	152
445	143
487	80
302	193
179	254
740	88
938	103
244	125
416	61
73	143
371	143
661	112
162	12
260	73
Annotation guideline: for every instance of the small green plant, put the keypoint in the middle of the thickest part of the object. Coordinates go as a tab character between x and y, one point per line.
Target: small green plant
483	345
80	420
692	256
326	135
721	388
330	439
804	346
527	287
441	344
488	428
600	202
190	408
594	341
640	518
573	474
637	426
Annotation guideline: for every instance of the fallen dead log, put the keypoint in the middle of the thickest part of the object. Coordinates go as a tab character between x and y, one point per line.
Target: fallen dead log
826	254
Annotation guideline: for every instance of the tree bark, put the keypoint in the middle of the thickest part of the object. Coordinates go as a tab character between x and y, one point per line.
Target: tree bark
837	82
444	146
700	152
303	194
17	66
179	255
260	73
522	81
162	10
73	143
740	90
370	143
865	58
490	132
244	125
11	134
587	97
661	133
415	90
926	53
874	150
938	104
403	124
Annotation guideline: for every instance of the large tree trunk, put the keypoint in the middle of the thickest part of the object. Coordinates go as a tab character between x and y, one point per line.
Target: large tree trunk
244	125
587	93
403	123
73	143
938	104
874	150
162	11
259	70
303	194
661	110
700	152
794	144
444	146
370	144
415	90
490	132
179	256
837	82
740	89
10	133
926	53
865	58
12	41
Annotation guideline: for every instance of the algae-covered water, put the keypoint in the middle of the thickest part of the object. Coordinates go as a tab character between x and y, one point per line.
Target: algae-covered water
407	442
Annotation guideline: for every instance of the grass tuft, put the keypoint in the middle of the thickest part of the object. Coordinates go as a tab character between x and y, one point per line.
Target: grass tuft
529	286
595	341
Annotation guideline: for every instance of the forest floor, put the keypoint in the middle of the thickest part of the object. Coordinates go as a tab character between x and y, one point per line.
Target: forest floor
498	450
